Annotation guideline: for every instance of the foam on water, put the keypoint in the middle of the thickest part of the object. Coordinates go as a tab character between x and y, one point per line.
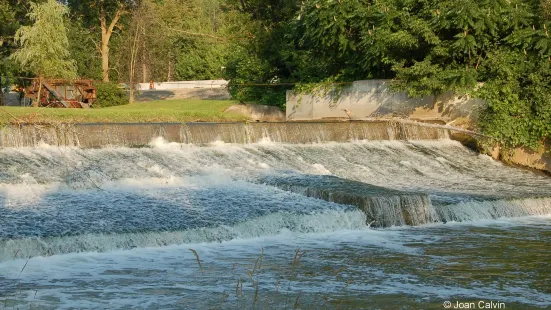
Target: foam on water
371	264
268	225
460	185
106	223
443	166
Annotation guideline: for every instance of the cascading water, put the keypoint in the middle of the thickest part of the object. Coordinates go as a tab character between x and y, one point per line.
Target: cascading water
137	135
90	212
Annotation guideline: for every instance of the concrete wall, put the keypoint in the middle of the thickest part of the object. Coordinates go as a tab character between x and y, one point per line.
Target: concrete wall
540	159
141	134
258	112
185	84
374	98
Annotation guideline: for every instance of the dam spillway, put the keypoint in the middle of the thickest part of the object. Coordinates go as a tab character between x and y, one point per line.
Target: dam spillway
105	198
396	173
141	134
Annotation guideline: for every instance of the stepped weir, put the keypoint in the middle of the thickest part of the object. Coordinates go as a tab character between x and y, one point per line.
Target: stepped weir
397	173
136	135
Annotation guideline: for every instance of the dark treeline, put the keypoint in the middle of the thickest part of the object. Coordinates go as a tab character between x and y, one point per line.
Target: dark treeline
499	50
177	40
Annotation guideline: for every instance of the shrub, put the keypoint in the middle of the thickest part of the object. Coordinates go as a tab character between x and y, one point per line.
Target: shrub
109	95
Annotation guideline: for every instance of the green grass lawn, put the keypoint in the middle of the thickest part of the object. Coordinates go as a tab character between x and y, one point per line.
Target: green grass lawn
188	110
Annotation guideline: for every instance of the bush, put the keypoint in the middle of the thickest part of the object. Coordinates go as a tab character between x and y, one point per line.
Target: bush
519	101
246	68
109	95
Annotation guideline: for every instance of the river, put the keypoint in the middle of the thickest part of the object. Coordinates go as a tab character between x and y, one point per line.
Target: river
234	226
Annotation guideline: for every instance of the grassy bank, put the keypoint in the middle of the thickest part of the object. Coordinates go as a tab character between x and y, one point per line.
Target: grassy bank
188	110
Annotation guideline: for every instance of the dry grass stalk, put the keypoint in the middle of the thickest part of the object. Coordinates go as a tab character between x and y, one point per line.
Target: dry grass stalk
255	293
347	284
258	263
198	260
296	301
237	288
298	256
336	272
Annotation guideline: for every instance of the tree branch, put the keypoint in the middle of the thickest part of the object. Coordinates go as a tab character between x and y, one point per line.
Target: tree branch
102	20
115	20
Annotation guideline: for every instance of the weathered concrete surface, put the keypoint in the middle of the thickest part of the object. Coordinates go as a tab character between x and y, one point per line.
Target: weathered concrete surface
374	98
258	112
540	159
136	135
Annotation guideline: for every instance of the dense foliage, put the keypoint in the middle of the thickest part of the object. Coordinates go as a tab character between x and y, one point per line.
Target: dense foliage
425	46
109	94
44	47
499	50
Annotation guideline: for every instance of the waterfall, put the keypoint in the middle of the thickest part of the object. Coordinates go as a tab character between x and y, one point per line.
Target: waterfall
494	209
62	197
263	226
137	135
383	207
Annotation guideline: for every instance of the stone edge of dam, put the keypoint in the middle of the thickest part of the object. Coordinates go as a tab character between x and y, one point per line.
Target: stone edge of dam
94	135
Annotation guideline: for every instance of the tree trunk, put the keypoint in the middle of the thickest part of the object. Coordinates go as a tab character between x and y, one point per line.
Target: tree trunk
169	75
105	62
133	57
1	92
106	32
36	103
145	77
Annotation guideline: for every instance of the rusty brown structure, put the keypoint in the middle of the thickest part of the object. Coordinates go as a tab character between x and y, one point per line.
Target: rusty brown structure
57	93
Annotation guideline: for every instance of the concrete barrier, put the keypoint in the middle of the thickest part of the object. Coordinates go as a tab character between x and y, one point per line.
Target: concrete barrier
373	99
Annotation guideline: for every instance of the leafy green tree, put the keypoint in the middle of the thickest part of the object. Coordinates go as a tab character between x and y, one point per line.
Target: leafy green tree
83	49
44	47
12	16
109	13
200	60
425	46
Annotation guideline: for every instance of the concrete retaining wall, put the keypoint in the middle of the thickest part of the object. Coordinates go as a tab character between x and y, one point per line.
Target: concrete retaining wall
540	159
136	135
374	98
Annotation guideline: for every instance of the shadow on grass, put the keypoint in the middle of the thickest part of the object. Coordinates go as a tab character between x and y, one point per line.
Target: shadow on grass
151	95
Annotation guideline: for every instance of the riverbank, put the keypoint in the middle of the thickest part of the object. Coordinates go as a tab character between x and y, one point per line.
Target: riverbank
177	111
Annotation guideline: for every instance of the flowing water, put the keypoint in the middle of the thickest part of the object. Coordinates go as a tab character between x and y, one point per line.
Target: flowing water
353	225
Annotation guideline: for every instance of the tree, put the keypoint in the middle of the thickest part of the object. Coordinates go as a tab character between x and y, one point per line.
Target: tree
106	32
83	50
44	47
109	13
425	46
12	16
